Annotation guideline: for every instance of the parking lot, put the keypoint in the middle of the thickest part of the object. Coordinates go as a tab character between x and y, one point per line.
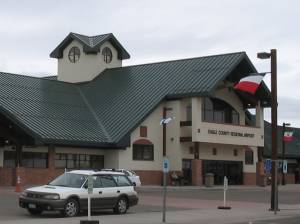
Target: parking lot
184	205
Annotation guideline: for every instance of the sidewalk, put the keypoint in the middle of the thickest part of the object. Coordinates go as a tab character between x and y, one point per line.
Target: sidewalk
196	216
288	187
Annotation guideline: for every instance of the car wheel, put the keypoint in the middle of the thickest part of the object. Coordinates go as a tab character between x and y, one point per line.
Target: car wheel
71	208
35	211
121	206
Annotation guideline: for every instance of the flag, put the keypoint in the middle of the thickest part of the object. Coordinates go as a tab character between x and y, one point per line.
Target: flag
288	136
250	83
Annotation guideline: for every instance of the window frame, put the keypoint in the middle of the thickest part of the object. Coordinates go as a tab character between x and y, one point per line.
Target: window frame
249	158
142	148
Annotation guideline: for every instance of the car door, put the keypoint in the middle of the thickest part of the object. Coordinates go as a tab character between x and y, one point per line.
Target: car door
105	194
124	185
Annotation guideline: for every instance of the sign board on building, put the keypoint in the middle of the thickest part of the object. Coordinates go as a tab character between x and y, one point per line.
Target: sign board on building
228	134
166	165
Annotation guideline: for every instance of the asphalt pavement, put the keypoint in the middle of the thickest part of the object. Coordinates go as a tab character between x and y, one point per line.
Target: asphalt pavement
184	205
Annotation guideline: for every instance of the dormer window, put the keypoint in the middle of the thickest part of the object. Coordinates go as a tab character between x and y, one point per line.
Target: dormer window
74	54
107	55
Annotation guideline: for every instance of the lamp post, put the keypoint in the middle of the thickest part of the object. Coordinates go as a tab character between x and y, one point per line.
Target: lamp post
164	123
274	190
283	151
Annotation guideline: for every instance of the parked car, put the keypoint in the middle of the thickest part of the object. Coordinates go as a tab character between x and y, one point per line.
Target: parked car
135	179
68	193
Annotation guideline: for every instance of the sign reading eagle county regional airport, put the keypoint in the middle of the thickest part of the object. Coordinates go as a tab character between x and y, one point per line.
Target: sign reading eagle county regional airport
230	133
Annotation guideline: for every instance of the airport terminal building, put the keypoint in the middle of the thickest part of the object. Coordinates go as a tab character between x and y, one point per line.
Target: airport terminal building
98	114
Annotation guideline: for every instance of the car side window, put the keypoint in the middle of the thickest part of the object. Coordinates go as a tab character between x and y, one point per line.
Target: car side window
122	180
97	182
107	181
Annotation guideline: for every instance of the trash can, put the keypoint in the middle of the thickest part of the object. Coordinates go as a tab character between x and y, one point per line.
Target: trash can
209	179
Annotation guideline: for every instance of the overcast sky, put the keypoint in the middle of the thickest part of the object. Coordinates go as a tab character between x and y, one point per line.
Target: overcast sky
155	30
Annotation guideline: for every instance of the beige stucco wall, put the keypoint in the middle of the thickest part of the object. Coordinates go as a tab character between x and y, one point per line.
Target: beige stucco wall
87	67
154	135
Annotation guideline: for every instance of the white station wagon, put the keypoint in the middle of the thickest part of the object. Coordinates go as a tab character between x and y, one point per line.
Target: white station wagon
68	193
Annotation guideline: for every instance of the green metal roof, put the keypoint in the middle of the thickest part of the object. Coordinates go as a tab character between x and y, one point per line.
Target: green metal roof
292	149
90	44
103	112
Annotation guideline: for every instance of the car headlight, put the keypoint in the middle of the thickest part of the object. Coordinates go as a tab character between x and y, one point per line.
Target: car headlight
24	194
51	196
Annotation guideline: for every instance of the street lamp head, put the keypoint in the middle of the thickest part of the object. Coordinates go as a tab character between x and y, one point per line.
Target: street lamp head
287	124
263	55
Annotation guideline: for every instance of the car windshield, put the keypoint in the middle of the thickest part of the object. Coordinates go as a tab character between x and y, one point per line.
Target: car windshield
69	180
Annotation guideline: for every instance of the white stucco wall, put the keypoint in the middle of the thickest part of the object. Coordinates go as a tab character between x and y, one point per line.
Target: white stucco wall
87	67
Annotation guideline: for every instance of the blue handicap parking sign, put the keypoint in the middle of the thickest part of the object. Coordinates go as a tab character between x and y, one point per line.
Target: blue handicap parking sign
268	165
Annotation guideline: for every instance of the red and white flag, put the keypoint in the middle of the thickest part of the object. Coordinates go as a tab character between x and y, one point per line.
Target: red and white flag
288	136
250	83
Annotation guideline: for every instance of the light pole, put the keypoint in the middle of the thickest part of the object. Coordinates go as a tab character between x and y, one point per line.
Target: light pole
274	190
164	123
283	151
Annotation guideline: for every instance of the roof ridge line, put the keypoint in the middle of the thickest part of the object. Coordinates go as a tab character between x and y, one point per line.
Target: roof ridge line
183	59
90	108
28	76
91	36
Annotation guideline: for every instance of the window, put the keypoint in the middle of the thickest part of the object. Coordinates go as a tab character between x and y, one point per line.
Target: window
97	182
74	54
107	181
214	151
218	111
143	131
191	149
121	180
79	161
235	152
143	152
35	160
248	157
28	159
107	55
9	159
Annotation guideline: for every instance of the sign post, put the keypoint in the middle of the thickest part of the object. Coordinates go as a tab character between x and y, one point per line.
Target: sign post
90	187
90	191
166	167
225	188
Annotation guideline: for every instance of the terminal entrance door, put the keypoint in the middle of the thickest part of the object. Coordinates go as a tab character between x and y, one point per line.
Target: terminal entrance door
233	170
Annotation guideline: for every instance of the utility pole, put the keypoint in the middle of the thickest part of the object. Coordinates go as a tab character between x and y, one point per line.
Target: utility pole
274	105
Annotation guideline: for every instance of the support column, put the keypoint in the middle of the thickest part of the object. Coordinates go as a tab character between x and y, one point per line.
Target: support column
260	174
51	161
196	172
